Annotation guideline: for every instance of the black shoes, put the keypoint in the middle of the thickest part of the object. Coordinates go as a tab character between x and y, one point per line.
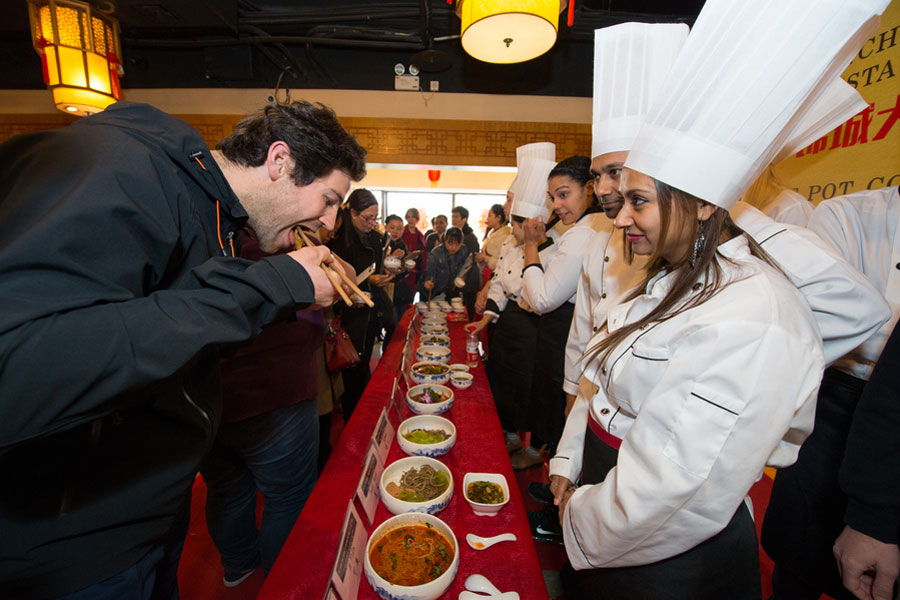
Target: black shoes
540	492
545	525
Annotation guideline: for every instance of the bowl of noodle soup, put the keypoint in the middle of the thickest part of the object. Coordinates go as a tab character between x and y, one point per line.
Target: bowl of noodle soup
416	484
432	539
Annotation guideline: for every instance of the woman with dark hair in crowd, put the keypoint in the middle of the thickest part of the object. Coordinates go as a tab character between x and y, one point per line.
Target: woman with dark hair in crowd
460	219
405	289
497	232
549	286
396	247
358	243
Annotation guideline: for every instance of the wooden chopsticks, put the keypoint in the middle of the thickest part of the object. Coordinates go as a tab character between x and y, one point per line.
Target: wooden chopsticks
334	275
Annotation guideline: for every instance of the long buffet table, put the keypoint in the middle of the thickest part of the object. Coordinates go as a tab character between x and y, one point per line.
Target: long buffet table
304	566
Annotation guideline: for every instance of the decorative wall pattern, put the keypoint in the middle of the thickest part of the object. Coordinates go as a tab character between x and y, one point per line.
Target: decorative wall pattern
426	141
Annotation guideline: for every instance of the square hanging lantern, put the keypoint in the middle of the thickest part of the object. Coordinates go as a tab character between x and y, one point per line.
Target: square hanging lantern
509	31
80	54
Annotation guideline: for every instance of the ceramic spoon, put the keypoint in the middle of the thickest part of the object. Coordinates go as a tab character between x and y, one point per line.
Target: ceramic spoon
479	543
480	583
467	595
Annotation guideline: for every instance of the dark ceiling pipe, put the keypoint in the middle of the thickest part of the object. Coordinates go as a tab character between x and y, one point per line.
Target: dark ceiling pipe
285	39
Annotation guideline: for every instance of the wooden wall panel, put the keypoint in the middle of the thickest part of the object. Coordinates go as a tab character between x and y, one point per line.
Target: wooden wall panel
409	141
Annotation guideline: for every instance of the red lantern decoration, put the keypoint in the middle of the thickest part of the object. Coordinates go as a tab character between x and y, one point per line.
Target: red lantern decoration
434	175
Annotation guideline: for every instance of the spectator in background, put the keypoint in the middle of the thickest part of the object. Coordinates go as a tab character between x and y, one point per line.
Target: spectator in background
415	244
268	441
497	232
436	237
472	276
443	266
398	290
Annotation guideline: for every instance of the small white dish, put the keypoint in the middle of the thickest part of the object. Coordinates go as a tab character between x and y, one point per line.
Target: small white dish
459	367
461	380
409	264
480	508
392	263
426	422
459	282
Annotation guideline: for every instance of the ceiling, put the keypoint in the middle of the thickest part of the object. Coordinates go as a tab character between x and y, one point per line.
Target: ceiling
334	44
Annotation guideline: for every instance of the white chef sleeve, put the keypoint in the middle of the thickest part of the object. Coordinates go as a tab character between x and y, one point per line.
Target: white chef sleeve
546	288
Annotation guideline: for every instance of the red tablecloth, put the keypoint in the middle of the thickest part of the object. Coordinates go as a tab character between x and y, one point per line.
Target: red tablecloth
305	563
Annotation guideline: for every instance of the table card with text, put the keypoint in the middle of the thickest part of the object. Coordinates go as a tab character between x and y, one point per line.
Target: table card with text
348	564
367	490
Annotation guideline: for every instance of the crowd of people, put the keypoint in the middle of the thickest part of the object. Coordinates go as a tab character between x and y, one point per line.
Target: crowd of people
696	322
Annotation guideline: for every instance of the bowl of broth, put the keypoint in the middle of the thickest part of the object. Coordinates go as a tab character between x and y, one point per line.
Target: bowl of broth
416	484
426	435
435	373
424	562
433	354
429	398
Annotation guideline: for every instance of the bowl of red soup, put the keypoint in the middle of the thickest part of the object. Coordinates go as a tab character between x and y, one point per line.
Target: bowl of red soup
411	556
430	372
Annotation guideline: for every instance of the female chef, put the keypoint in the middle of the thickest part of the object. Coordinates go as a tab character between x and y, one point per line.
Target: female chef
548	286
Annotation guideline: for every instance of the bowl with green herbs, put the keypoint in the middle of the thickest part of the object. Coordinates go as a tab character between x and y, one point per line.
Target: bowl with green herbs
426	435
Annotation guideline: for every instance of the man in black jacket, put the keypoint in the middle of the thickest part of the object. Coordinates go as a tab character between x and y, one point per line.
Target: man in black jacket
119	284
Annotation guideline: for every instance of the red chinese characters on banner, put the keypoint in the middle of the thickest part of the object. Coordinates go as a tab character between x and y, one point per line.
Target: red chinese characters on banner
857	129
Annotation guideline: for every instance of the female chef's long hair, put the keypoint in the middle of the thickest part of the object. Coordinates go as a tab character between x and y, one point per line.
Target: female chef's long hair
717	229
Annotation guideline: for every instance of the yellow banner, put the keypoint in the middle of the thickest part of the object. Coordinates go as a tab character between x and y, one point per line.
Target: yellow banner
864	152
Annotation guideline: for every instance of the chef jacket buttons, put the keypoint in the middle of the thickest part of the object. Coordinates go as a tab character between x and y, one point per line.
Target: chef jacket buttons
605	259
603	370
898	266
604	411
697	286
596	329
603	295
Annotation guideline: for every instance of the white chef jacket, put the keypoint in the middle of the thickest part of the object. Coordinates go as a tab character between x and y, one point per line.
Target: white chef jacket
506	281
546	287
864	227
493	244
605	278
702	402
847	307
789	207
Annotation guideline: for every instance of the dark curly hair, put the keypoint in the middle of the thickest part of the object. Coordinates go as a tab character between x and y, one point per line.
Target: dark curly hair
319	144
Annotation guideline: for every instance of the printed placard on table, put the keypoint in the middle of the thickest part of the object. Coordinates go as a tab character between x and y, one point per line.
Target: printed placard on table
330	593
367	489
348	564
383	434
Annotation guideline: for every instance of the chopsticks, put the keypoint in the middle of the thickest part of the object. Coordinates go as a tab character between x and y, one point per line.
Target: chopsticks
334	275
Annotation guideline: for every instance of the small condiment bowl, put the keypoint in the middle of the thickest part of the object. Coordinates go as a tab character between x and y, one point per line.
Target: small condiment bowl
426	591
393	263
459	368
461	380
459	282
431	353
426	422
395	470
409	264
480	508
422	408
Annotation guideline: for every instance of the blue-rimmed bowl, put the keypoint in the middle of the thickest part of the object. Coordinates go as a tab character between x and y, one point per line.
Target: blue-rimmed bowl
437	378
395	470
427	591
424	408
434	339
434	354
426	422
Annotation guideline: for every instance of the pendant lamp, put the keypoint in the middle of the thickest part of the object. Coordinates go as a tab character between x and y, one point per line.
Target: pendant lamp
509	31
80	54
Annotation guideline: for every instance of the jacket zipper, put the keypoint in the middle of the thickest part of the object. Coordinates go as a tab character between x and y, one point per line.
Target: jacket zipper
203	414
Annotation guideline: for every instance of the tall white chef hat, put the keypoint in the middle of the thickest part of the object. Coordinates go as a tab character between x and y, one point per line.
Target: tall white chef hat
739	86
631	62
544	150
530	199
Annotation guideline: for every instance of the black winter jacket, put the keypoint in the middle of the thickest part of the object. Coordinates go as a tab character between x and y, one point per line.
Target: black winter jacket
116	293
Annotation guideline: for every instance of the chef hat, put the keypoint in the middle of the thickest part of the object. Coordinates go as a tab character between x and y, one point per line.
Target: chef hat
544	150
738	89
837	103
530	199
631	62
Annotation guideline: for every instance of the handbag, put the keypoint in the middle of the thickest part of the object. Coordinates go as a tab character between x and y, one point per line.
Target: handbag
339	350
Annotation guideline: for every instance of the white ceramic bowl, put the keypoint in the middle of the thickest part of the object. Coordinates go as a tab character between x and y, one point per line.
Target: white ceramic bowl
435	329
395	470
392	262
460	367
426	422
435	321
434	339
459	309
420	378
461	380
421	408
434	314
426	591
486	510
431	353
409	263
422	307
459	282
